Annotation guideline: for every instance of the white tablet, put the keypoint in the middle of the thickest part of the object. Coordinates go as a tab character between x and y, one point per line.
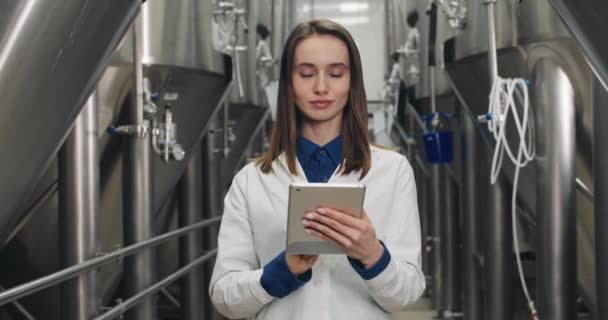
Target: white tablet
305	197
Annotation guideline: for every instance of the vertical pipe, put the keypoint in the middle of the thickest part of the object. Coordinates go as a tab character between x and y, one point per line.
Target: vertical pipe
389	26
289	14
498	268
137	100
190	245
137	207
278	32
252	83
436	177
600	182
471	292
450	274
493	60
434	230
433	98
556	192
423	199
498	244
212	194
79	212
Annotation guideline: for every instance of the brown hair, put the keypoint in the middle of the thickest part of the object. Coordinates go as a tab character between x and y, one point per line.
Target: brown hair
355	146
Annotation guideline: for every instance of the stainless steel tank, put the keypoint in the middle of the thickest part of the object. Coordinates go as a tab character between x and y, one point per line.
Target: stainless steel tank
51	56
526	33
176	33
587	26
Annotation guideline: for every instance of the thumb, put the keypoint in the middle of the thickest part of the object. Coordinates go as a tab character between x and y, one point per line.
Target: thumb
364	216
312	258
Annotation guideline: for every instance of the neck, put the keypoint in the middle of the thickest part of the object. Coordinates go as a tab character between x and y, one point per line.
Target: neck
322	132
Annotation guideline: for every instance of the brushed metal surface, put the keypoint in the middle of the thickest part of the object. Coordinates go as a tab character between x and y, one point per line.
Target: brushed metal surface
451	272
79	213
137	217
437	175
471	304
199	93
51	56
517	23
248	121
191	246
587	23
555	113
469	77
601	202
176	33
497	244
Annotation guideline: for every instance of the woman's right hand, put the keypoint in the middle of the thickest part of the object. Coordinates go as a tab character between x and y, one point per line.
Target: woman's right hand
300	263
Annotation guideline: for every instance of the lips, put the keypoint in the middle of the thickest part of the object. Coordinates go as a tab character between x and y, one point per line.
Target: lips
321	104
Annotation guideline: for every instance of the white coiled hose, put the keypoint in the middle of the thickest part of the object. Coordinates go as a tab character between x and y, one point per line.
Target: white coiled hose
502	107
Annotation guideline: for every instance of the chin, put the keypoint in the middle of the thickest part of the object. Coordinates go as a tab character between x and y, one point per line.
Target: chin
321	115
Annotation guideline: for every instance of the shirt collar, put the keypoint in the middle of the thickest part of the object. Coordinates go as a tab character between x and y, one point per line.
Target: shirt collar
306	148
334	148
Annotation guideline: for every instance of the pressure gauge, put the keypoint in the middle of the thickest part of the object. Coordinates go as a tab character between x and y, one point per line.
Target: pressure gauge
178	152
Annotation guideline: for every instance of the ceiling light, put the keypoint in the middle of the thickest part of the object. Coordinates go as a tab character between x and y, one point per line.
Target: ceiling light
354	6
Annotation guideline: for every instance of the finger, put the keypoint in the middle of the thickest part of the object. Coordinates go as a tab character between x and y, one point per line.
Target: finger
349	211
341	217
312	259
321	236
309	256
332	234
351	233
317	234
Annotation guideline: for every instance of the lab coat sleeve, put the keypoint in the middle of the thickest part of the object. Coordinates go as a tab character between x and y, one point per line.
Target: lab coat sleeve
235	287
395	76
266	51
402	282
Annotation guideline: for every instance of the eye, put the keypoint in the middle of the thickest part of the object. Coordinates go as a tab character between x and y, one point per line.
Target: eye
305	75
336	75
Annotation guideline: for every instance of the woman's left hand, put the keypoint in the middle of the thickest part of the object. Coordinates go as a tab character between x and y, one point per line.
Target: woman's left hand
356	235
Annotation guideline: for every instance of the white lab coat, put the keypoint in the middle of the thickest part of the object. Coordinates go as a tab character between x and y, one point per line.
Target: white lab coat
395	78
411	49
253	232
264	60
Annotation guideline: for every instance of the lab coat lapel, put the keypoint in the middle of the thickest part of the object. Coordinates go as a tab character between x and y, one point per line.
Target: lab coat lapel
301	177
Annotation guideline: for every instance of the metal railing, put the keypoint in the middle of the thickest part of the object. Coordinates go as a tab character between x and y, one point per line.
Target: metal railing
410	140
122	307
26	289
584	189
20	308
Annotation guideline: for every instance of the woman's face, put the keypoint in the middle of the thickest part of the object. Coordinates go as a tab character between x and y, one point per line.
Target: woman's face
321	77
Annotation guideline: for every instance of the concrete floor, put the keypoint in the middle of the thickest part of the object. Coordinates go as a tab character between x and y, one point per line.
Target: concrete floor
421	310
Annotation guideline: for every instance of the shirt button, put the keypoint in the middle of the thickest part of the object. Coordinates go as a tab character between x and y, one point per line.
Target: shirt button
325	179
322	152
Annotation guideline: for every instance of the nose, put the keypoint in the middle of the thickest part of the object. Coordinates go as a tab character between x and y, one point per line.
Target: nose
320	85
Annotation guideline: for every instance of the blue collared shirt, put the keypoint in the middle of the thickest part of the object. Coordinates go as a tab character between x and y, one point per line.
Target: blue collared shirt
319	163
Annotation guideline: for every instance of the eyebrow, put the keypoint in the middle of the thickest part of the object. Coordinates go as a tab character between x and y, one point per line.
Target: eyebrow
331	65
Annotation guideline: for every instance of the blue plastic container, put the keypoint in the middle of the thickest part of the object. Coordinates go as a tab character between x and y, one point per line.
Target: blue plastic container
439	144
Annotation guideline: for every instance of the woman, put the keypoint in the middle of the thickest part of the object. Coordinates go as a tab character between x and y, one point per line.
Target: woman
321	103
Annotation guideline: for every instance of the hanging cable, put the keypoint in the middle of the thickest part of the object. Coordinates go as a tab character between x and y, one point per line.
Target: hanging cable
502	107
